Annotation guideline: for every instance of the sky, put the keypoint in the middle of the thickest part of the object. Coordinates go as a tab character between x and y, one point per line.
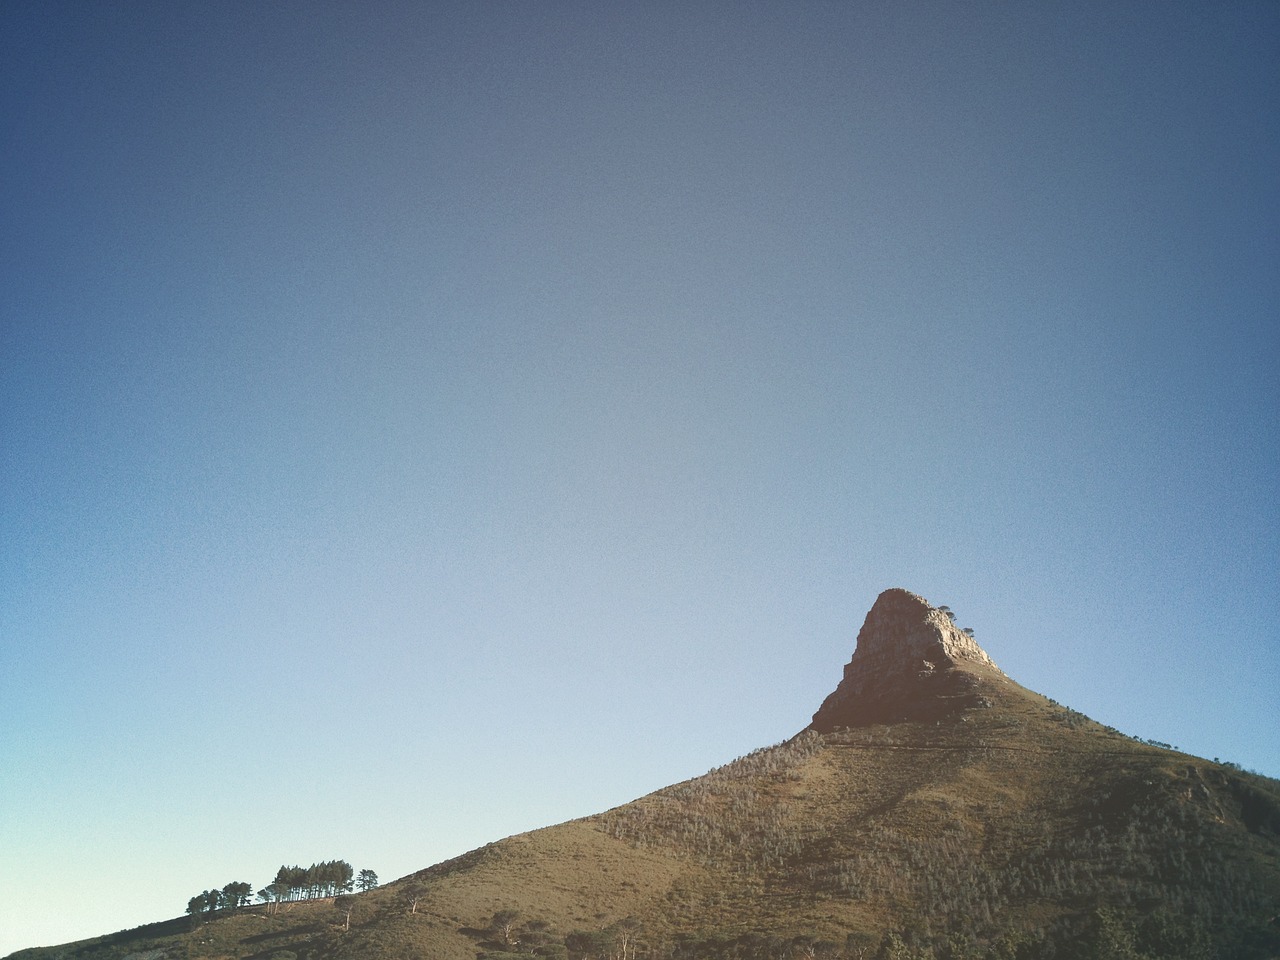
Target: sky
425	422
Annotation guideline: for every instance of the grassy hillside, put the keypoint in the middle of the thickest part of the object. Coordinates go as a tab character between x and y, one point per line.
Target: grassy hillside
935	810
1018	828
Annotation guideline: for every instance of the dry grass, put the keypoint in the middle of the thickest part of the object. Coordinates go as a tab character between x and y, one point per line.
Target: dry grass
992	822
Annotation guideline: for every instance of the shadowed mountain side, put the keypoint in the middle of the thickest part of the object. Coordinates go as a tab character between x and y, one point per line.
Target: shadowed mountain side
932	800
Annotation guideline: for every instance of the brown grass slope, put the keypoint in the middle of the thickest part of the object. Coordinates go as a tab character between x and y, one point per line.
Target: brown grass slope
1007	817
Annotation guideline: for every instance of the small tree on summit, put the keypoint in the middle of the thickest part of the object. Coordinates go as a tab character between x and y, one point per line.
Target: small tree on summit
366	880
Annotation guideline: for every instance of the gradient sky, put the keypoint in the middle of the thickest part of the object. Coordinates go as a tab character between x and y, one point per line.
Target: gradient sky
424	422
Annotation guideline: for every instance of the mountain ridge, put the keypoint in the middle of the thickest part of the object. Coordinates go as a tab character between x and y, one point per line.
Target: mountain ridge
932	803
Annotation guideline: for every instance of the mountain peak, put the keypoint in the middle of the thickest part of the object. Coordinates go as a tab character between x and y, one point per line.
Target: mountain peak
911	663
904	625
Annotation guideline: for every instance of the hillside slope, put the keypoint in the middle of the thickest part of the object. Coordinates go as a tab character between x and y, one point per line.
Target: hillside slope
934	808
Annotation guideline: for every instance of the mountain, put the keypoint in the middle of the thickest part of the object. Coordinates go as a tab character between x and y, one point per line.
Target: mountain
933	809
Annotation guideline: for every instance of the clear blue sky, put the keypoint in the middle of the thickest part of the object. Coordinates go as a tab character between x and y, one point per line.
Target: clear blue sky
424	422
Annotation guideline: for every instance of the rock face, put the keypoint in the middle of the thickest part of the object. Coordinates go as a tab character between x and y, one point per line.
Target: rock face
911	663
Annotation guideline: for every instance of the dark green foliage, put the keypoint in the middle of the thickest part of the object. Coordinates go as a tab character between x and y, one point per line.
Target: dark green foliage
236	895
209	901
502	926
318	880
291	883
272	894
589	945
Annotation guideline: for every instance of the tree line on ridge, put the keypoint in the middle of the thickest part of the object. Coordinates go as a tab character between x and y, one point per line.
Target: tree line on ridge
327	879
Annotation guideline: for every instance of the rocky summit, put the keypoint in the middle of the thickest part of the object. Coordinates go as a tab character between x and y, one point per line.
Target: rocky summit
911	663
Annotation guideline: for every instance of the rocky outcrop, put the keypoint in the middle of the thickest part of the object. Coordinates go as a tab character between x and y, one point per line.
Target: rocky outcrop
911	663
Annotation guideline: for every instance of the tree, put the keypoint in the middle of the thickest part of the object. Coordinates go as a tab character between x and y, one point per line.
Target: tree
345	904
535	937
589	944
411	894
503	926
367	880
859	946
273	894
236	895
339	875
893	947
318	880
291	880
627	937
